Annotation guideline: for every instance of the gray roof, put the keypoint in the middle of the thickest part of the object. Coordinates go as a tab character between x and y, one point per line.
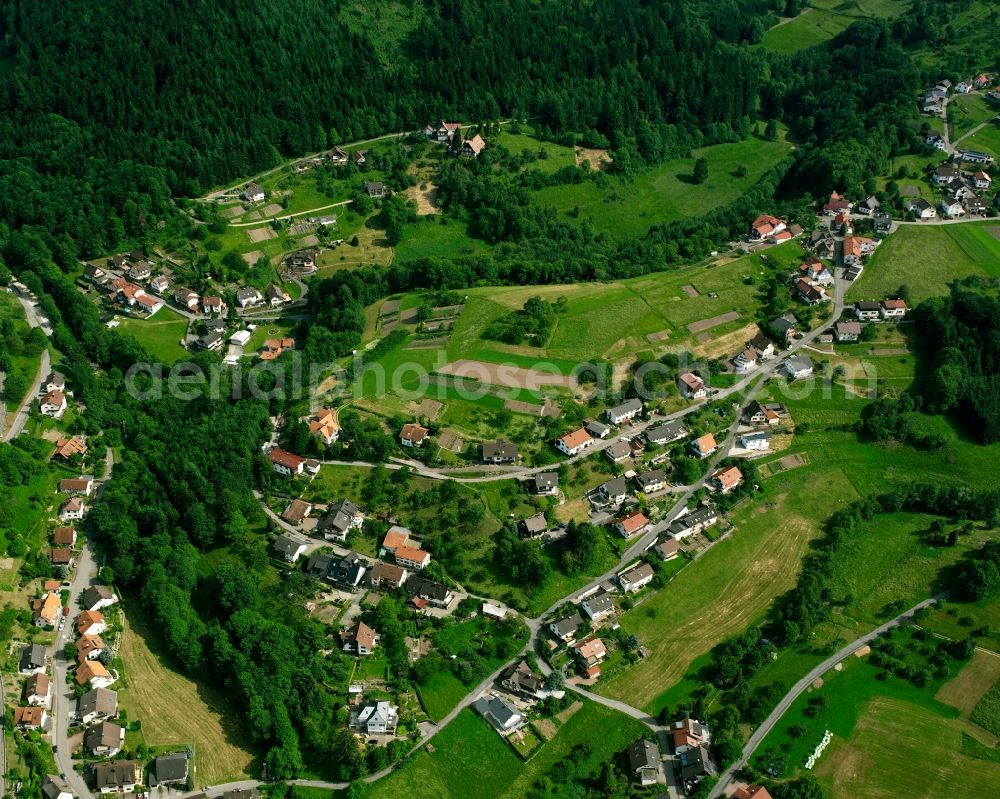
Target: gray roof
568	625
115	773
614	488
100	701
643	754
248	293
620	449
319	563
501	448
597	429
107	734
629	406
638	572
348	569
95	594
55	785
650	477
495	709
172	767
428	589
32	657
547	480
668	431
286	545
599	603
800	362
785	322
535	524
760	435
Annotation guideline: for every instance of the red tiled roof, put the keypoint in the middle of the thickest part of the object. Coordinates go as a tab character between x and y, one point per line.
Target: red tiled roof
287	459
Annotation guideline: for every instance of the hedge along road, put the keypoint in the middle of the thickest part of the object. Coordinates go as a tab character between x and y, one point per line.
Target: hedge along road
535	625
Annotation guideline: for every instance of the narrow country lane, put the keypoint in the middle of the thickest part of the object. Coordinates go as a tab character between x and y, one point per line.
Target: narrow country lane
24	411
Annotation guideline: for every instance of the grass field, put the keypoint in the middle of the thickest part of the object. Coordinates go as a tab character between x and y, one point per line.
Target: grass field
986	139
161	334
728	588
967	111
666	192
551	157
440	694
437	237
470	761
928	258
24	362
175	710
824	20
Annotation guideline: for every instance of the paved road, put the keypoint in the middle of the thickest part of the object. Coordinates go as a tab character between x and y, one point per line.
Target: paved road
23	412
290	216
768	724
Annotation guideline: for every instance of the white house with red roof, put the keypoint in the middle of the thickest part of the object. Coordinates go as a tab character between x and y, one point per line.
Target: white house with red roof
286	463
53	404
765	226
574	442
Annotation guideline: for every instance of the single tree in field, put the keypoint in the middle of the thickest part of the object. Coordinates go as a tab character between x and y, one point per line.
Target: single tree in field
701	170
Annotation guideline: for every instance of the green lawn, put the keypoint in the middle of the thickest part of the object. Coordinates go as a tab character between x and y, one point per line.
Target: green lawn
665	192
987	139
432	237
161	335
928	258
825	20
24	356
550	157
470	761
967	111
272	328
441	693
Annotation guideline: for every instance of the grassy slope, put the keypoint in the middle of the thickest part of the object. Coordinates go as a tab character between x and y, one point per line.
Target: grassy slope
161	334
23	365
825	20
666	192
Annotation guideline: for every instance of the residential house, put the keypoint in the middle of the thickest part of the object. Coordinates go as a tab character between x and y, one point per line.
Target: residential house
975	157
869	206
38	691
688	733
286	463
30	718
273	347
746	360
148	305
750	792
46	611
598	606
291	549
98	597
613	491
213	306
413	435
210	341
323	425
347	572
340	518
520	679
666	433
358	157
95	704
159	284
471	148
757	441
867	310
704	446
83	484
847	331
952	208
387	575
89	647
755	413
546	484
31	659
375	718
375	189
140	271
91	622
61	556
500	714
104	739
964	87
252	193
94	273
276	296
764	226
499	451
249	297
644	762
627	410
823	244
632	525
892	309
55	787
816	271
652	480
636	578
296	511
694	763
618	451
171	769
574	442
668	549
691	386
798	367
590	654
117	776
53	404
336	156
442	131
412	557
359	639
93	673
920	208
55	381
809	292
533	526
784	327
836	205
597	429
857	248
565	629
883	222
981	180
75	508
395	537
976	205
129	292
726	479
66	448
186	298
431	592
945	175
302	262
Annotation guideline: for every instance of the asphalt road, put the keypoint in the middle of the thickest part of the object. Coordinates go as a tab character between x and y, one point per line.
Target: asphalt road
768	724
21	418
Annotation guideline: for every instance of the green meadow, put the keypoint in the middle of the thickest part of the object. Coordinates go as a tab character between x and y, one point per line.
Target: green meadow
162	334
824	19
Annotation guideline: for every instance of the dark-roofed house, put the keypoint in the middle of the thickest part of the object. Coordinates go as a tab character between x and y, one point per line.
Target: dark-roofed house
520	679
597	429
340	518
598	606
318	564
32	659
37	691
105	739
359	639
652	480
533	525
547	484
375	189
498	712
694	764
499	451
297	511
613	491
117	775
387	575
784	326
97	703
55	787
431	592
169	769
252	193
693	522
636	578
565	629
644	761
289	548
666	433
347	571
627	410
